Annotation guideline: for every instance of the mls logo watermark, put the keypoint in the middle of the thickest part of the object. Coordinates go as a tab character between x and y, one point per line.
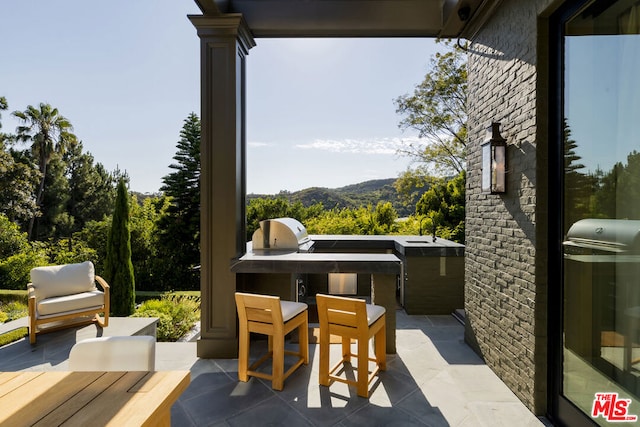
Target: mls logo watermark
612	408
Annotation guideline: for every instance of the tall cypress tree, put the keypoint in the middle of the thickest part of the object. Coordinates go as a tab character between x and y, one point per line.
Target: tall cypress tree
118	267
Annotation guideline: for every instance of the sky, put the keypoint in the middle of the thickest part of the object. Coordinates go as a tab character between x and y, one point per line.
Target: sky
320	112
602	98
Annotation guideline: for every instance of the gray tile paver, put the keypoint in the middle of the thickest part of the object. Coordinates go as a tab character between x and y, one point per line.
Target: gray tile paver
434	380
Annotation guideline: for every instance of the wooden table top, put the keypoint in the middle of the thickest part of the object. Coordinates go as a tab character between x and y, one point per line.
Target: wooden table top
89	398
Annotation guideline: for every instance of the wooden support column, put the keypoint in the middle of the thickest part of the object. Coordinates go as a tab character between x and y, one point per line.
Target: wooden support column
225	41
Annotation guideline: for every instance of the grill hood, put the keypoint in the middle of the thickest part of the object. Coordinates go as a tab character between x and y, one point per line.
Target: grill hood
281	234
604	235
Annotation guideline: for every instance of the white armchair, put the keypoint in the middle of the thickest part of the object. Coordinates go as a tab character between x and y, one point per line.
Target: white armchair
62	293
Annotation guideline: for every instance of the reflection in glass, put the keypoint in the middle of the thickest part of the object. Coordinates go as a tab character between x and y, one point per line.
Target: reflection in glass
602	204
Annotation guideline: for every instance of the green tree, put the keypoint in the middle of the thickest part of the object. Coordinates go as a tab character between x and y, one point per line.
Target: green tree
62	252
443	206
264	208
118	266
12	240
365	220
47	132
183	185
4	105
95	235
17	256
622	179
153	272
14	270
385	215
335	221
579	186
91	188
54	221
629	186
411	185
179	229
17	181
437	109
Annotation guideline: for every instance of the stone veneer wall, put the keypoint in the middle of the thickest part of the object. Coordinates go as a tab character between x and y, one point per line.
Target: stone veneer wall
505	271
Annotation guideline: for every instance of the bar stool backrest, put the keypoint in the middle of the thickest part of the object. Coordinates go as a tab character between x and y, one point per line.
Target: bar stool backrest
259	308
343	314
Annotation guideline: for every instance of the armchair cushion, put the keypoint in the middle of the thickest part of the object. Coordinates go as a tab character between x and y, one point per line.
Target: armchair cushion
70	303
61	280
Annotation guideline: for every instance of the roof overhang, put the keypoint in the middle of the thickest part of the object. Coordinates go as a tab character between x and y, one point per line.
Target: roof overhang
349	18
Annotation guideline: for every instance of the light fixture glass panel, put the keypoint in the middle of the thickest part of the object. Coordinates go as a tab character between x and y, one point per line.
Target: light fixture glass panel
486	168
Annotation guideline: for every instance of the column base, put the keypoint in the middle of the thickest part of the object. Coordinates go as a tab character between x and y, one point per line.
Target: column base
217	348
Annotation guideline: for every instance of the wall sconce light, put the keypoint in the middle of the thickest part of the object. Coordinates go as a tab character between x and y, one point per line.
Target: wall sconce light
494	161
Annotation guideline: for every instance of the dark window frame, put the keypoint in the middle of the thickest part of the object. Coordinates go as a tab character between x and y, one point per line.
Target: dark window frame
560	410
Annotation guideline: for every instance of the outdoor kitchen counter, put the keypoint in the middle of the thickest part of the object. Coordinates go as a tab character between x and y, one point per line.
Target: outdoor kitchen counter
312	262
384	269
419	246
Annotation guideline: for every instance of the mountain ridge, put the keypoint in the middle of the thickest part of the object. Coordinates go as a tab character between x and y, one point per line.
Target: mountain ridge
350	196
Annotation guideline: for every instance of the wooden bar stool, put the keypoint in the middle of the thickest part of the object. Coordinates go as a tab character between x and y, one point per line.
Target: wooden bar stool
268	315
351	318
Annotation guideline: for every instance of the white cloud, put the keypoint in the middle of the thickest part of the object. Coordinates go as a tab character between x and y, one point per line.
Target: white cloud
360	146
258	144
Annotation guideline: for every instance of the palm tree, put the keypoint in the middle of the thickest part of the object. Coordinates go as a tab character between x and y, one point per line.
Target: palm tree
3	106
49	133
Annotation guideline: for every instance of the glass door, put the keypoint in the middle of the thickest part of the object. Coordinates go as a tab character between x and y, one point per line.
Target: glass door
600	225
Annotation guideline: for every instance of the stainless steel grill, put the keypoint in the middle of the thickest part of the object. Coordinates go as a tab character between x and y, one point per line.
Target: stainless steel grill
281	235
601	269
603	236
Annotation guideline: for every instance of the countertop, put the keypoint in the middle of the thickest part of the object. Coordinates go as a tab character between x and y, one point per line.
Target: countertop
294	262
398	244
346	253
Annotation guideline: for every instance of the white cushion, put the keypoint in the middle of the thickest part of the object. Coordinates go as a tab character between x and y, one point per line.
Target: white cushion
69	303
374	312
59	280
120	353
291	309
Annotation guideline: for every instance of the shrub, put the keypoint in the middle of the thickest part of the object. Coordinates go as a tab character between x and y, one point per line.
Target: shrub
176	313
12	336
68	251
14	310
14	271
7	296
12	241
165	330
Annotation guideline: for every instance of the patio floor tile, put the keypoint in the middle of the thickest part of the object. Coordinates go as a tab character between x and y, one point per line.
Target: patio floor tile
434	380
